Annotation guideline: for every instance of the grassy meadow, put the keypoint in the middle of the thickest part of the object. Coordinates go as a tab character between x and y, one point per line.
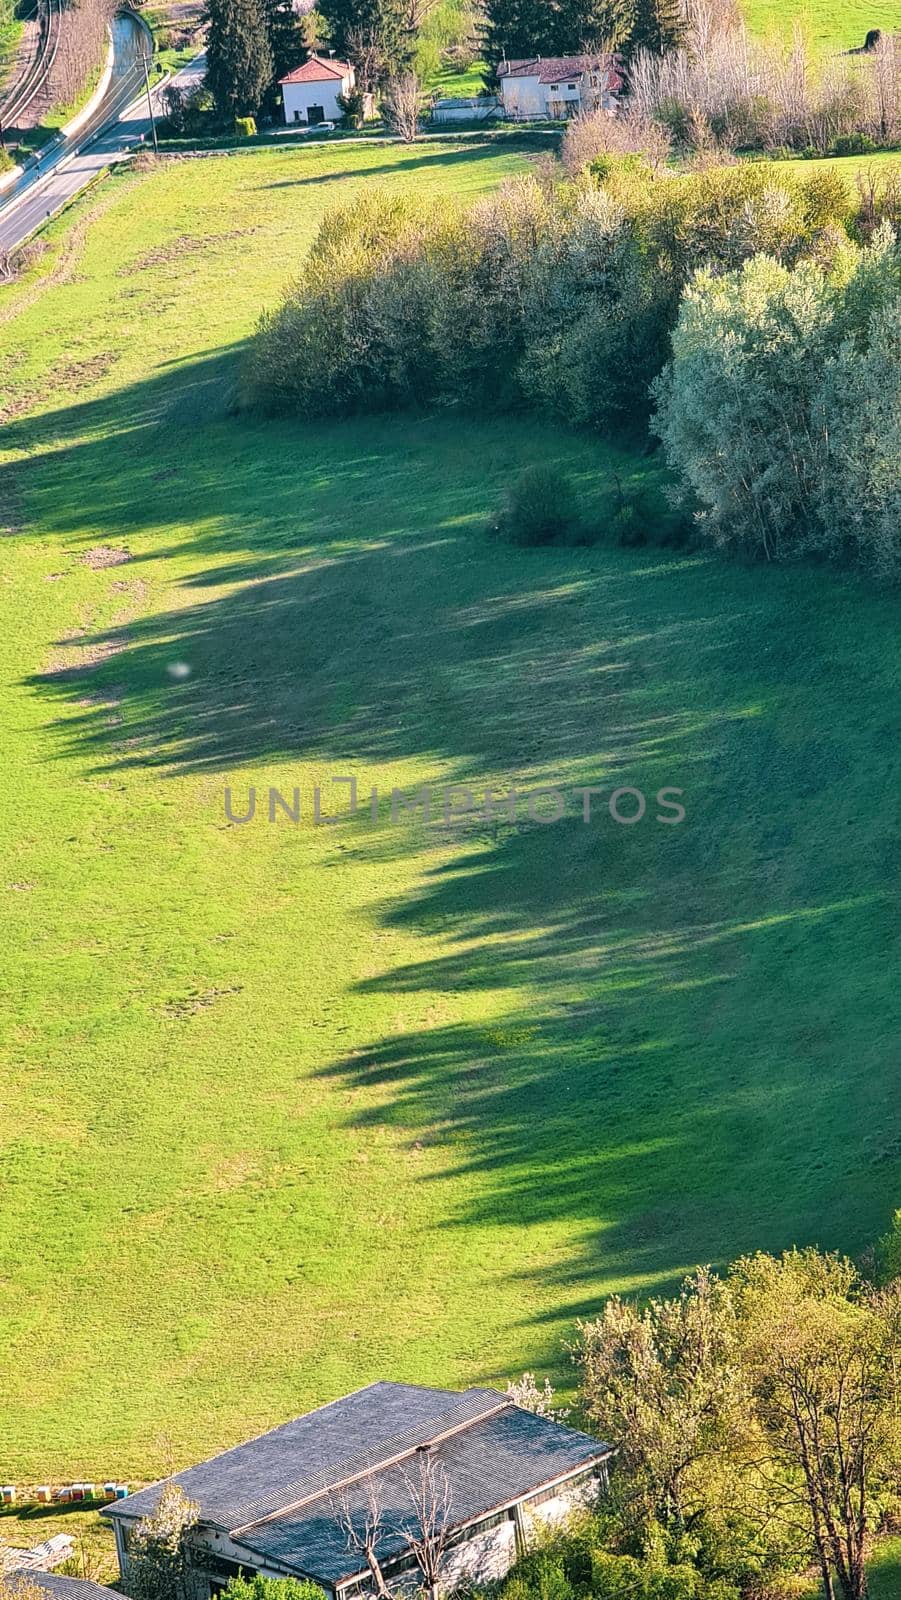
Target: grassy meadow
832	24
287	1108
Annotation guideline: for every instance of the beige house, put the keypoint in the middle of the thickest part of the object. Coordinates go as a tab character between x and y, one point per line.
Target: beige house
555	87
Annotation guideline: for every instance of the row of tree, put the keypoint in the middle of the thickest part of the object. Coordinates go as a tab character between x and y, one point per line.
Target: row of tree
253	43
758	1417
523	28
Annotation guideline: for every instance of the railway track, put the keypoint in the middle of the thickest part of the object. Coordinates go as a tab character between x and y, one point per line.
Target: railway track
32	80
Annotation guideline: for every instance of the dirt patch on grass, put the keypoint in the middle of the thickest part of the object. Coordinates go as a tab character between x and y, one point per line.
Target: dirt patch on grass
71	659
104	555
63	375
136	589
187	244
199	1000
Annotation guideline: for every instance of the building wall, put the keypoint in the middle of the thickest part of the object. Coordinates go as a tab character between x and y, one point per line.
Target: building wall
298	97
523	97
480	1560
564	98
479	111
568	1499
526	97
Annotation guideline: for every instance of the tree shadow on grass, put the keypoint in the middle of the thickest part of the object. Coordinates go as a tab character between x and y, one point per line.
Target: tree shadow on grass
667	1052
426	156
666	1044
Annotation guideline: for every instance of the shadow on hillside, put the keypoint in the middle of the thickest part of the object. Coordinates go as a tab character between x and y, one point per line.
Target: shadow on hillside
673	1043
424	156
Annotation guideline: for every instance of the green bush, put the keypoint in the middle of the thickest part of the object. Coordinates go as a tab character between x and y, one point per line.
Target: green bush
558	296
353	108
576	1565
245	127
540	507
6	161
586	301
539	1575
260	1588
889	1251
854	144
780	408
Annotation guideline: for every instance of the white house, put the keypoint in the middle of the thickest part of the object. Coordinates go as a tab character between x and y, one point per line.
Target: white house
310	93
316	1496
558	86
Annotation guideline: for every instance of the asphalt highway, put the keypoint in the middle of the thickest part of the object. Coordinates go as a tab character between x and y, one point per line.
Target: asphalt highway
119	124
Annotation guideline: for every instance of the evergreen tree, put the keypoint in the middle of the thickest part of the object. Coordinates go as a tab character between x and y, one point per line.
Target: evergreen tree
373	34
287	39
522	29
592	24
659	26
240	66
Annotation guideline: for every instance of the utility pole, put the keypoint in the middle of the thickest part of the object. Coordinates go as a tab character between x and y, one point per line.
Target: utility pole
156	148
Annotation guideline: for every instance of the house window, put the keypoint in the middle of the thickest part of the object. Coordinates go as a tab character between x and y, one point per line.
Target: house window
554	86
570	86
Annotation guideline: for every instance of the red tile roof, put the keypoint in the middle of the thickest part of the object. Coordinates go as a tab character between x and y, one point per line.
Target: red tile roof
551	69
318	70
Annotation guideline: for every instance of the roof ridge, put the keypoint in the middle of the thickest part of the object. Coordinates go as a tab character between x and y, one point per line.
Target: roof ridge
314	1484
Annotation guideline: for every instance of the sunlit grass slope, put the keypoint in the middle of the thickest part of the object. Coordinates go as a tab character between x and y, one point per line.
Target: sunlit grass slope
285	1108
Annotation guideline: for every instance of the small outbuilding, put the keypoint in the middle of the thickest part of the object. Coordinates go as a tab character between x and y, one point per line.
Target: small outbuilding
327	1494
310	93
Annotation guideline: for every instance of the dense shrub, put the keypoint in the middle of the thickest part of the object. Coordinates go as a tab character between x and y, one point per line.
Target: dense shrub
245	127
556	295
259	1587
341	341
596	133
780	407
540	507
576	1564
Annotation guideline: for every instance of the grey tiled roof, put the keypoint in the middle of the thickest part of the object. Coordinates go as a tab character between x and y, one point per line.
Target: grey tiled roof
489	1465
281	1467
273	1493
60	1588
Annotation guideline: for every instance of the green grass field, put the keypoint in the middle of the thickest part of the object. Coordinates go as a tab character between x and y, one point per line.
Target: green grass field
831	24
288	1108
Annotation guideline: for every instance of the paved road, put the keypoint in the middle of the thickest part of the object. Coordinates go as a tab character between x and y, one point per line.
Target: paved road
119	124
